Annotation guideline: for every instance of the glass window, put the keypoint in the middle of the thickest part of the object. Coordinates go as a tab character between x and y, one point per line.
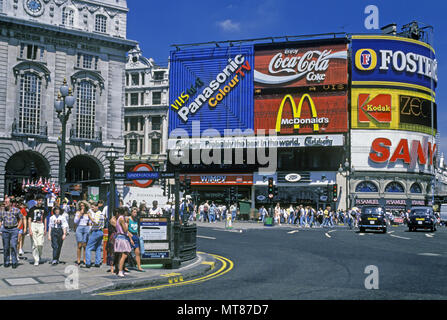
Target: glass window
86	110
135	79
156	97
394	187
134	124
366	186
134	99
30	103
156	123
101	23
67	17
133	146
416	188
142	99
159	75
155	146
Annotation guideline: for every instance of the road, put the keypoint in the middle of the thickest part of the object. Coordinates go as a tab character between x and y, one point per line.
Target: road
290	263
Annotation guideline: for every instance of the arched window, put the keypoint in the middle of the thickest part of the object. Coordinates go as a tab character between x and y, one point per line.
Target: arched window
67	17
29	103
394	187
416	188
86	110
101	23
366	186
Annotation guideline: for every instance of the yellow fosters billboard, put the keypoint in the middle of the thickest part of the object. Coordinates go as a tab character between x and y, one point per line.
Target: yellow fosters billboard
392	109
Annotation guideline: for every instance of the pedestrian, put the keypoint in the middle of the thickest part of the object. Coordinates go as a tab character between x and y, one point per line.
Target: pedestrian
96	235
302	216
122	245
57	233
111	256
206	208
326	217
311	217
22	229
212	212
82	221
155	210
10	221
133	237
262	213
277	214
233	212
37	223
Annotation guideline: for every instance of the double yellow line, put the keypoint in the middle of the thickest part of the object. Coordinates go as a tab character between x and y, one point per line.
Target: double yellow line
227	265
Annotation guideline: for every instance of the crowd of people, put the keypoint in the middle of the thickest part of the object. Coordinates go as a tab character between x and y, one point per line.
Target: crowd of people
31	216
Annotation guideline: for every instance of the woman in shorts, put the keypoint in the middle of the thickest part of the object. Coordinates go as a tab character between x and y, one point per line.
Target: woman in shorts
133	236
122	245
82	231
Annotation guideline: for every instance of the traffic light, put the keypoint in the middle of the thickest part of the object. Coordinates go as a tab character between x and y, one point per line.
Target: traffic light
275	191
163	186
188	185
270	188
335	192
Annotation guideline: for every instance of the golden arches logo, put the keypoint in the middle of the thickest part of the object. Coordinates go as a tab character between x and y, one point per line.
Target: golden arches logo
297	112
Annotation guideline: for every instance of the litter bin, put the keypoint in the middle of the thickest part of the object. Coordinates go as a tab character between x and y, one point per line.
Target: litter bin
268	222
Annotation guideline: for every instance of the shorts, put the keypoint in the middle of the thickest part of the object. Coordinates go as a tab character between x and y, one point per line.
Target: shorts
136	242
82	233
20	231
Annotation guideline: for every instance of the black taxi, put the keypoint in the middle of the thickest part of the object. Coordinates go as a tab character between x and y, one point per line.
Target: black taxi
422	218
373	217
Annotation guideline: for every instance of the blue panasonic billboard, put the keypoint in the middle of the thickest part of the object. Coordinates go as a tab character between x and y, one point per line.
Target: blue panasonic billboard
390	60
212	87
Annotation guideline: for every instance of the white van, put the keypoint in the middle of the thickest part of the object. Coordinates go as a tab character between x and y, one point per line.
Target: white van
443	213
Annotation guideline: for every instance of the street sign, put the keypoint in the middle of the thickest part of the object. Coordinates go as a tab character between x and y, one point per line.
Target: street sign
120	176
143	175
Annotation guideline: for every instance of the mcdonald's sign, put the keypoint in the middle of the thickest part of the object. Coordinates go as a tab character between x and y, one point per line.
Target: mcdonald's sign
302	114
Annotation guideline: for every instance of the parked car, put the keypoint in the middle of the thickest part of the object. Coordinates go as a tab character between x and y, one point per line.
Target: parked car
422	218
373	217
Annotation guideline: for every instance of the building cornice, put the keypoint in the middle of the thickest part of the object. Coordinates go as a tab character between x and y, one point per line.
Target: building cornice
57	31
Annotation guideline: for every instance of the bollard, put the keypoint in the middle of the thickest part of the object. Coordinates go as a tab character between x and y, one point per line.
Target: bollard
105	239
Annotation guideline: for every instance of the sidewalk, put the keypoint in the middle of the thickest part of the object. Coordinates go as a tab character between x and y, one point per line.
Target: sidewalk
28	279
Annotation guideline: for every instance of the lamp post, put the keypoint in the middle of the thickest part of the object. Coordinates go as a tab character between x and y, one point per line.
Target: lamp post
63	105
111	156
346	170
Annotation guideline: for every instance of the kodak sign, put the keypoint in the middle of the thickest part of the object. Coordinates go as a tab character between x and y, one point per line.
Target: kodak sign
374	107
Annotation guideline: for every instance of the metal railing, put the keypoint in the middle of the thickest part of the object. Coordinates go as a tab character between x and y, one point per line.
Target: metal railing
29	130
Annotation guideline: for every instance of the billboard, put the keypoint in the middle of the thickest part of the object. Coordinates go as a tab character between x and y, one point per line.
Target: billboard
295	65
377	108
392	150
213	86
396	61
308	113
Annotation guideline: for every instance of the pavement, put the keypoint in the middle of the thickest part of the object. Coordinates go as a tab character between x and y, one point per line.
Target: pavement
30	280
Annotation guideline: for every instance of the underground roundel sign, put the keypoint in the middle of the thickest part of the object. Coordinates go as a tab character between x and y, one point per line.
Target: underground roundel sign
143	182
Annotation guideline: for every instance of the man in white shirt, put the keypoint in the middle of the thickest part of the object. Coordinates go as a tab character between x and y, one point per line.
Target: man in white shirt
155	210
96	236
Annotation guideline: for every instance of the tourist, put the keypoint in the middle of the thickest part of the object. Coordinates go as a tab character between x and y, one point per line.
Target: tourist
82	221
37	223
57	233
10	221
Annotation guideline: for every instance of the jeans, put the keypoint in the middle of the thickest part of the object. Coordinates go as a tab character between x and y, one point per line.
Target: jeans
310	220
10	237
94	244
325	222
56	242
233	216
212	217
303	220
291	218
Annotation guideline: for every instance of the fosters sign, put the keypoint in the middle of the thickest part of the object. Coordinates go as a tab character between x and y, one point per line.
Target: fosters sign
302	113
393	60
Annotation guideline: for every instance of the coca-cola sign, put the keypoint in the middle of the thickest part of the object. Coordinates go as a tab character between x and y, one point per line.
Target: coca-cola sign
292	67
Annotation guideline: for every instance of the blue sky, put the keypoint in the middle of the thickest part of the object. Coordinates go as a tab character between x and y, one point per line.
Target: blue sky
156	25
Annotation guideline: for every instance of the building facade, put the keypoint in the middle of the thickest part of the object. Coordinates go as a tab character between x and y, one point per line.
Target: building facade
145	111
43	42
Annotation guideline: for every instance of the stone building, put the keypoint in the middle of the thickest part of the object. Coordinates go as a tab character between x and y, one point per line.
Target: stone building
43	42
146	111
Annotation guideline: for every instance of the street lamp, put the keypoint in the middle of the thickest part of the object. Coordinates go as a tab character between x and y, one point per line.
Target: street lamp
111	156
346	171
63	105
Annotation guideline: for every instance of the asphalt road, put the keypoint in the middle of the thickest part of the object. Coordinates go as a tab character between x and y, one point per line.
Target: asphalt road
290	263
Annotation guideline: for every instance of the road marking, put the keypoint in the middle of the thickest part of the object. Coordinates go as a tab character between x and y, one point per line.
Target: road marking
293	231
392	235
227	265
331	231
205	237
429	254
327	235
390	232
361	234
210	263
429	235
173	274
